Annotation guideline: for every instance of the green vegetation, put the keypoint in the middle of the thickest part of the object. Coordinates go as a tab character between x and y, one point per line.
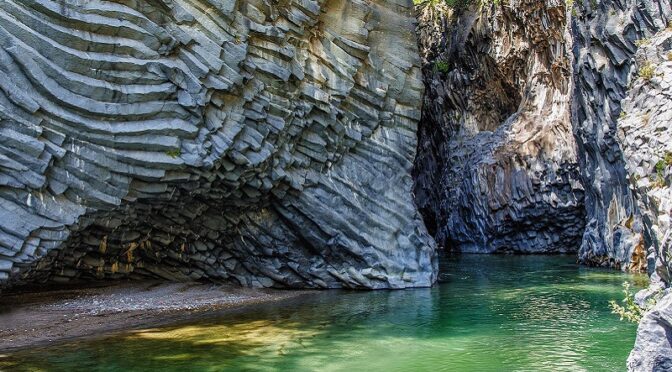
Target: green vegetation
668	159
173	153
630	310
660	175
660	167
442	66
642	42
647	71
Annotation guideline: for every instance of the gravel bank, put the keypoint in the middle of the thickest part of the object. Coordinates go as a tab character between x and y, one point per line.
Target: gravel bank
43	317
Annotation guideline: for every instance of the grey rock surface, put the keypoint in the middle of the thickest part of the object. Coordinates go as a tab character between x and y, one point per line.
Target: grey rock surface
606	36
508	86
645	135
497	165
653	347
268	143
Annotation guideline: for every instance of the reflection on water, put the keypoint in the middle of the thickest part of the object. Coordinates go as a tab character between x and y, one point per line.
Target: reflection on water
490	313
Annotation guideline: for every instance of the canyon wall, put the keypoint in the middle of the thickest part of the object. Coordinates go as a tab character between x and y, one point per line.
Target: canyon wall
546	128
606	36
622	114
497	167
264	143
521	118
645	135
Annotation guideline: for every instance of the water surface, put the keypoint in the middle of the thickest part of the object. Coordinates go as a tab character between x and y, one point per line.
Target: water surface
489	313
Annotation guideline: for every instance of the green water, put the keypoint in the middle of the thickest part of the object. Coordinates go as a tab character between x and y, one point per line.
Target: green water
489	313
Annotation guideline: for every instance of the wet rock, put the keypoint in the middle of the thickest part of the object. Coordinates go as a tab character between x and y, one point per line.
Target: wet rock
264	143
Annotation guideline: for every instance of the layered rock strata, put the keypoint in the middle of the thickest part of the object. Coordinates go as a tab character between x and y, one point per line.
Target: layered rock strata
268	143
497	165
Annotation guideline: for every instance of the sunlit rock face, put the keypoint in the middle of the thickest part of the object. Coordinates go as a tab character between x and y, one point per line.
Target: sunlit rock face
645	135
653	347
611	133
497	166
268	143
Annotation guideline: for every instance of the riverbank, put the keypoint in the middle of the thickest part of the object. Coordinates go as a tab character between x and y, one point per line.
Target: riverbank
45	317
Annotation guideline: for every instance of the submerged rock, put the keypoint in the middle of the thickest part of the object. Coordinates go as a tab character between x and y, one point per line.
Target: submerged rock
497	165
263	143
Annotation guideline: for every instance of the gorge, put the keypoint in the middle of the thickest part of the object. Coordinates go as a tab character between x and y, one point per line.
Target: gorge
307	143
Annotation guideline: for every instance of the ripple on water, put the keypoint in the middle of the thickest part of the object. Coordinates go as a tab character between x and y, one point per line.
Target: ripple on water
490	313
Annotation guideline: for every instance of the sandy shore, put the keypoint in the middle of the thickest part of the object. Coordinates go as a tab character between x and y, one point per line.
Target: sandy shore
39	318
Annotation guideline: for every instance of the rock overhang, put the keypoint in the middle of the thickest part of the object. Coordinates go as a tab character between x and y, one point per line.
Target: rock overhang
219	140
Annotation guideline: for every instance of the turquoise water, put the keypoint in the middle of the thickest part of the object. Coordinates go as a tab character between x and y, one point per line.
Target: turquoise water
489	313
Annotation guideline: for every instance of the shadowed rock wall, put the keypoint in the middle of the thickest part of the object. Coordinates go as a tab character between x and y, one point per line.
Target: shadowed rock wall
268	143
497	166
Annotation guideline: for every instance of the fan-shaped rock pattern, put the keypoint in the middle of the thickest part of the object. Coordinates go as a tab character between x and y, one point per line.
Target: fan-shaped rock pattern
264	142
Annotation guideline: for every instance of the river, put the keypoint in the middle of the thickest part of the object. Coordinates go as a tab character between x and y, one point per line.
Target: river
488	313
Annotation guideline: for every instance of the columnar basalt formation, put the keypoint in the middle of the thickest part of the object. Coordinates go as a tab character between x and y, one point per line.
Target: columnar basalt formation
497	165
645	135
606	36
268	143
491	66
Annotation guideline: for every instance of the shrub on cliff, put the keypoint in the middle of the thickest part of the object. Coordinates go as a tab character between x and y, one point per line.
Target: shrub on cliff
630	310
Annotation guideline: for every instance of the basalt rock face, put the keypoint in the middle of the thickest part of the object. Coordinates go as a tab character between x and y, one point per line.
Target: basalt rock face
497	166
653	348
645	135
268	143
622	114
606	36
